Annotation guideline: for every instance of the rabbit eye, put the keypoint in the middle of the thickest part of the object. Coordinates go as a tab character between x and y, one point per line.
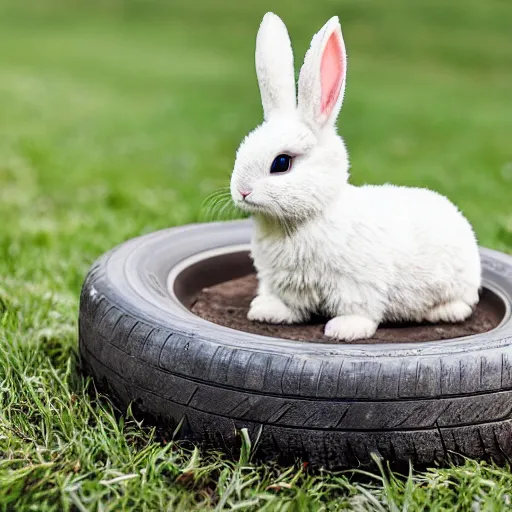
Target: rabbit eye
281	163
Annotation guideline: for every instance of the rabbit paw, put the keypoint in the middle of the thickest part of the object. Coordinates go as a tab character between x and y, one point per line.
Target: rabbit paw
455	311
270	309
350	328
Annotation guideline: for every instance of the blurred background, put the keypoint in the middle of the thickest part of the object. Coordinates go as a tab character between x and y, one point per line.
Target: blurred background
118	117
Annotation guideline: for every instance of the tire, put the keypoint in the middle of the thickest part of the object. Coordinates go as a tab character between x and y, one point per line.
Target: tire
330	405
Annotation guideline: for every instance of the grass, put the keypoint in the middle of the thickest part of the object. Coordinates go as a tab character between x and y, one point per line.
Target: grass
118	118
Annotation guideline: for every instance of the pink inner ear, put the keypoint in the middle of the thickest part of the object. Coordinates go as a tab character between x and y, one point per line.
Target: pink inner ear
331	73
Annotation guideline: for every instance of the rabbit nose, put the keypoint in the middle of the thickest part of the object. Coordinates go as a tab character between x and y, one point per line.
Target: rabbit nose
244	194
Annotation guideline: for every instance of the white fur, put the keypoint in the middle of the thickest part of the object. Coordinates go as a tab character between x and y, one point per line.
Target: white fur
350	327
359	255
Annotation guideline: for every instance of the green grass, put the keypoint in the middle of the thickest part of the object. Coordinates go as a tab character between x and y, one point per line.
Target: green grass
118	118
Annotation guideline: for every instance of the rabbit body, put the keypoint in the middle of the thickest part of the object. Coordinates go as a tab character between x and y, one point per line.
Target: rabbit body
358	255
374	254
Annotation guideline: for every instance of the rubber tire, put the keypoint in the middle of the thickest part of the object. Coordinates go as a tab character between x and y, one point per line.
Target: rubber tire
330	405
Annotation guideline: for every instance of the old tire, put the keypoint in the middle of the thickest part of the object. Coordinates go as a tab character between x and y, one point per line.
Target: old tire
331	405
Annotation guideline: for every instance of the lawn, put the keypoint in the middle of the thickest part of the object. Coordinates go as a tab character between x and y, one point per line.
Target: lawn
118	118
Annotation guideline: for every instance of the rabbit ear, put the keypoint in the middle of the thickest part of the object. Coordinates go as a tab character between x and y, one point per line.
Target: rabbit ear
274	66
322	77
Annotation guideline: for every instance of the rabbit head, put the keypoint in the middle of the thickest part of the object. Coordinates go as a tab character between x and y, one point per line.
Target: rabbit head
294	164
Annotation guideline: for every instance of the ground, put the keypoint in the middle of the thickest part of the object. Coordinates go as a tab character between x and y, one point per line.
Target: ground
118	118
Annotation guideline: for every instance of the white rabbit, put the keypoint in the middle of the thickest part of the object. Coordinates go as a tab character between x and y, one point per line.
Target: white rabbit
358	255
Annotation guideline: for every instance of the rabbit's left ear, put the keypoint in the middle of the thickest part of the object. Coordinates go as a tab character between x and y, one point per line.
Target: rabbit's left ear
322	77
274	67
